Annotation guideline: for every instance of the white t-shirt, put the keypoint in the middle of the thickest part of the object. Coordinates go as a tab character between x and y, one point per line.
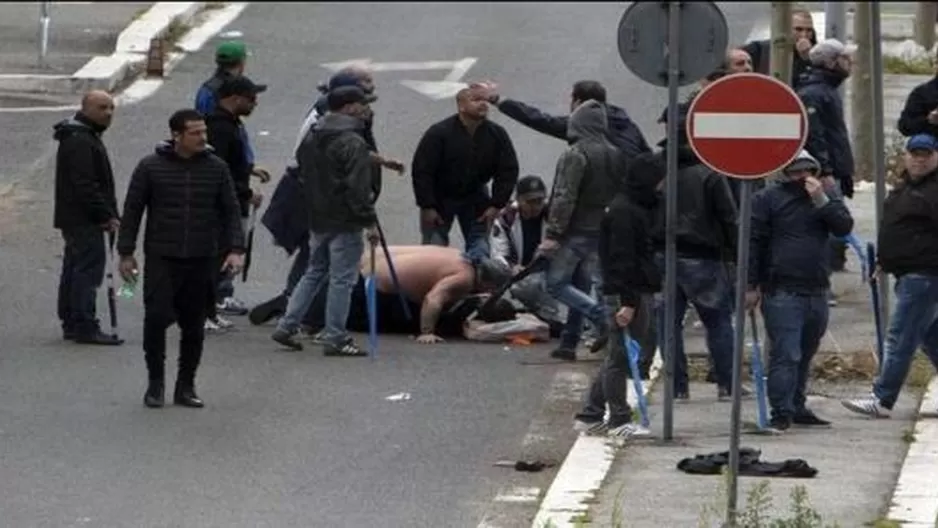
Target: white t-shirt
311	117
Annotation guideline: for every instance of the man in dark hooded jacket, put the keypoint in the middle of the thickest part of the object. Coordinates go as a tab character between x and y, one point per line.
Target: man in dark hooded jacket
85	207
585	181
803	39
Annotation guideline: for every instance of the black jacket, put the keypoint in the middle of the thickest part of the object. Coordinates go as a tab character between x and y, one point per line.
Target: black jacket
626	250
451	165
922	100
623	132
761	53
335	165
706	210
908	233
84	181
587	175
190	203
790	236
227	141
828	138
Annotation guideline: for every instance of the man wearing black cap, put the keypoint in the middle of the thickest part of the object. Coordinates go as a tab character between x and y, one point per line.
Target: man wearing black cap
237	98
336	167
515	236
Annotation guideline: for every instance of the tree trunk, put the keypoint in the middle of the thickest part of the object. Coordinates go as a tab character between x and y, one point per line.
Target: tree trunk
861	100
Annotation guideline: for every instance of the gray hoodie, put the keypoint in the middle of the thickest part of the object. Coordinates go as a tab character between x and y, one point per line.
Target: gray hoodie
587	175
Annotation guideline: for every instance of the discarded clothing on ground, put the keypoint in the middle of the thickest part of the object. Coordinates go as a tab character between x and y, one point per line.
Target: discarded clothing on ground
749	465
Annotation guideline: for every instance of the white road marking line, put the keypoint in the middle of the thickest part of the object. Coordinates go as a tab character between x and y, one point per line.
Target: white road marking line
518	494
726	125
915	499
583	471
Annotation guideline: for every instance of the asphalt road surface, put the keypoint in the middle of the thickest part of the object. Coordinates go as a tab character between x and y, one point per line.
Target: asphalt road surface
290	439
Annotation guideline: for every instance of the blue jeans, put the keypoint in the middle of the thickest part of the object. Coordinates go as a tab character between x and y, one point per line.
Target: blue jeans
474	233
794	325
706	285
569	279
334	257
914	323
83	263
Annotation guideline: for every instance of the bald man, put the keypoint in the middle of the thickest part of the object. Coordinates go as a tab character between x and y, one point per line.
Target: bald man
439	283
85	209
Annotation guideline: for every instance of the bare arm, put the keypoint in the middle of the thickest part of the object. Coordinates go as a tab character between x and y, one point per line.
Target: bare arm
443	292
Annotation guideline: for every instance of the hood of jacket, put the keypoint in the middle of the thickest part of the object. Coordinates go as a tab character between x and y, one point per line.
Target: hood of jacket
588	122
334	122
641	185
823	76
78	124
167	149
617	118
804	160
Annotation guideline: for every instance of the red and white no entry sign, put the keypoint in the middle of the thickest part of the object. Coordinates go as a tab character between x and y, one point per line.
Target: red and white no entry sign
747	125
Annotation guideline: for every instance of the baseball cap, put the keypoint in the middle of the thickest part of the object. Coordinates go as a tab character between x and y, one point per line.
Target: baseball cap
345	95
240	85
922	142
531	186
231	52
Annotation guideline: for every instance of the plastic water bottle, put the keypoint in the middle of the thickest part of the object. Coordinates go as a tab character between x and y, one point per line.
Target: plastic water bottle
127	290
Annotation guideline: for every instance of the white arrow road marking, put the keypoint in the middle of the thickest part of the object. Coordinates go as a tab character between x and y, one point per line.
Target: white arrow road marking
436	90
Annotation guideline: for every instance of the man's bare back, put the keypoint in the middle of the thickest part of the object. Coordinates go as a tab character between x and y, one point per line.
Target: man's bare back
419	269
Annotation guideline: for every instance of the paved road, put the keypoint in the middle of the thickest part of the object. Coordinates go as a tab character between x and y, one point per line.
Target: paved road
293	439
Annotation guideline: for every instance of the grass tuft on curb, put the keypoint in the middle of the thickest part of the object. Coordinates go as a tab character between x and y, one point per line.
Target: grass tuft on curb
902	66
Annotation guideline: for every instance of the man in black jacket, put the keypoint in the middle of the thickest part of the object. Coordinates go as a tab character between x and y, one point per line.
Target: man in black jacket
190	202
803	38
789	270
630	279
85	208
908	248
237	99
706	242
336	167
453	165
920	114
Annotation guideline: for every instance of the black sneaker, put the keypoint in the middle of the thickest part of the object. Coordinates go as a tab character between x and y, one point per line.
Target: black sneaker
564	353
287	339
809	419
780	423
682	396
347	349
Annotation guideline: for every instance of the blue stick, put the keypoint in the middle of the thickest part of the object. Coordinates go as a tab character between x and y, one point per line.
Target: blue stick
857	247
371	300
633	351
397	284
874	298
758	375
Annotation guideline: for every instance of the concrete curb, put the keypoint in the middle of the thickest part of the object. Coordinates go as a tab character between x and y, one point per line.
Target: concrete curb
106	72
915	500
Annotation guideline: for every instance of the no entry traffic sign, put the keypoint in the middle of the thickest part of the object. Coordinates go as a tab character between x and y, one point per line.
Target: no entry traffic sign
747	125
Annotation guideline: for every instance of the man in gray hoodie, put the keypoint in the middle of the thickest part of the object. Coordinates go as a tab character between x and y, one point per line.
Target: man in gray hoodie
584	183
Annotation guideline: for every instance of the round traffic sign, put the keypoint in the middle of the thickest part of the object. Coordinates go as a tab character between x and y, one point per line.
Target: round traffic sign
747	125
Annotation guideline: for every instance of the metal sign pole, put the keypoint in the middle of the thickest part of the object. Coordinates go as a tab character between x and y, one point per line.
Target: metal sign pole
43	33
742	284
879	141
670	254
835	26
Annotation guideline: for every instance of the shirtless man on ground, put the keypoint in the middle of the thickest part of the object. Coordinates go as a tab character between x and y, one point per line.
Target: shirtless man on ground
432	276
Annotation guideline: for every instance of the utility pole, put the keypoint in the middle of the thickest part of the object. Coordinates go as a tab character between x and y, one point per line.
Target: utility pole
860	106
925	15
781	41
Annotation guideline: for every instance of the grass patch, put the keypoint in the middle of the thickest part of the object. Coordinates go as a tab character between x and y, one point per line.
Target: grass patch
902	66
756	512
884	523
214	5
176	29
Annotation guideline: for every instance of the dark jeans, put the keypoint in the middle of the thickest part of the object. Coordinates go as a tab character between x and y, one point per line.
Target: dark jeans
794	325
569	279
298	268
914	323
174	290
474	233
610	384
706	285
83	262
214	293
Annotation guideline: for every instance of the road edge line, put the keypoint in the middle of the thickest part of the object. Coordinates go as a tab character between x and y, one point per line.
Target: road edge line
914	502
584	470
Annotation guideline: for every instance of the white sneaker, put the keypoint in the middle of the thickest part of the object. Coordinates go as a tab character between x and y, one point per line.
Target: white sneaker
231	306
868	406
212	328
630	430
223	323
588	428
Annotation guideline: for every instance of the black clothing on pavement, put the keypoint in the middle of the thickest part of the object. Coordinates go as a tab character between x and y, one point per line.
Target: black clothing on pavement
190	203
336	168
908	234
450	164
749	465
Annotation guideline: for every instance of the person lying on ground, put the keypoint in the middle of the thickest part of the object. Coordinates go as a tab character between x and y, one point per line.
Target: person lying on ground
441	286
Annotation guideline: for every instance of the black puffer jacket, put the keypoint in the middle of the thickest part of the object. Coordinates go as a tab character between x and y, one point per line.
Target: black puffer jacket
84	181
908	234
189	203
